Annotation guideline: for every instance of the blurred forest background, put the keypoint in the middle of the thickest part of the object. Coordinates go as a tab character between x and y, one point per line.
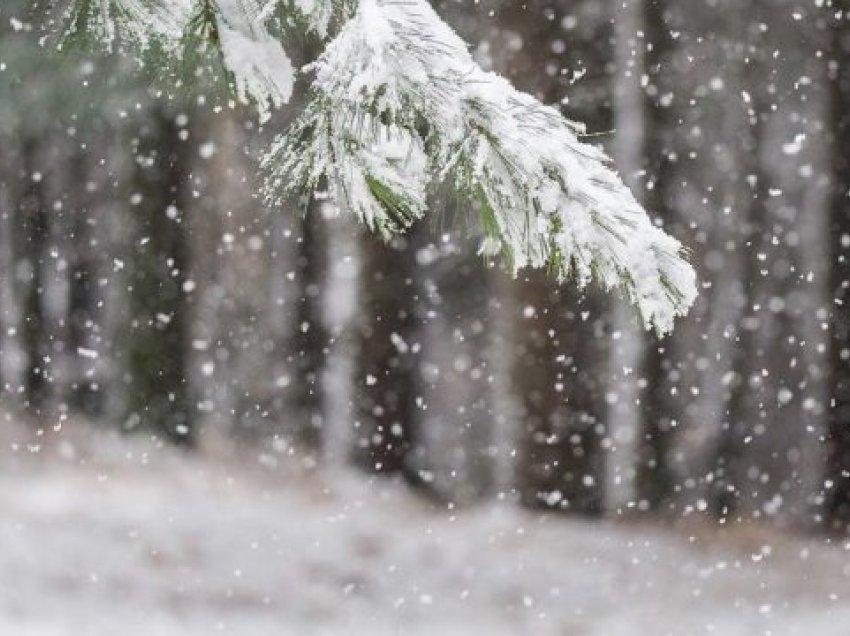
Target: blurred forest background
144	287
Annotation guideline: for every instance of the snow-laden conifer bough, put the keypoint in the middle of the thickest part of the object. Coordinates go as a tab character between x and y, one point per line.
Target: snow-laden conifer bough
398	108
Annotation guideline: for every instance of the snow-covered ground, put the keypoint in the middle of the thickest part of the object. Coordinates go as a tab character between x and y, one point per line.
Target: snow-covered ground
139	541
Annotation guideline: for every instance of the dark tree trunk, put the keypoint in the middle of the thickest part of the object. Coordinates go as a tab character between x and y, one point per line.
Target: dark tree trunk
383	380
454	453
157	338
838	468
559	351
13	363
312	340
31	244
743	412
86	297
559	336
654	480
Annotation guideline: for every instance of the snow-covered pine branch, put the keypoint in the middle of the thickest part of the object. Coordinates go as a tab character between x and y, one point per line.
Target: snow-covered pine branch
319	16
238	30
139	23
398	108
260	68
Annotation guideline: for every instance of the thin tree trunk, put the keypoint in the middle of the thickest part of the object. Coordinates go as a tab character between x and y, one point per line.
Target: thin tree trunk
31	244
730	455
383	379
13	360
157	338
624	414
313	337
654	478
557	376
561	338
454	450
838	467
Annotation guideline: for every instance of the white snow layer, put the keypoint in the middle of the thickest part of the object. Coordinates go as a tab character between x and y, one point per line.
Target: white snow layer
145	542
262	71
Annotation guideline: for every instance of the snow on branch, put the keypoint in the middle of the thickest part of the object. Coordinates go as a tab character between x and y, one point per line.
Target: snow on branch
382	95
140	23
319	15
254	60
399	107
261	70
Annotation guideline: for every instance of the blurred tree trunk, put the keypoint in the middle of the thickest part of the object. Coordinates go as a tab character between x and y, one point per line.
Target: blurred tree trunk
559	353
39	253
776	393
838	467
88	269
559	335
341	304
743	405
284	291
707	202
313	337
654	479
13	360
784	377
743	411
454	455
157	338
625	415
384	410
30	246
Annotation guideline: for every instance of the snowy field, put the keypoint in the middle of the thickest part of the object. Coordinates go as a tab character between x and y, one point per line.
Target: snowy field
131	540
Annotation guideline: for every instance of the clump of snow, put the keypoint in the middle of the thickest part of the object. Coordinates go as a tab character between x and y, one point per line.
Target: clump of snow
320	13
262	71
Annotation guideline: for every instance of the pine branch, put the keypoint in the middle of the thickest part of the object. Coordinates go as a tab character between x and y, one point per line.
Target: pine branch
235	31
399	101
399	108
319	16
138	23
261	71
